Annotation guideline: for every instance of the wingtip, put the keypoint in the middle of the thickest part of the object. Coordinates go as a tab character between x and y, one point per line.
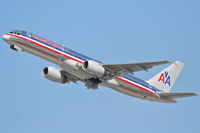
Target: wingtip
167	61
194	94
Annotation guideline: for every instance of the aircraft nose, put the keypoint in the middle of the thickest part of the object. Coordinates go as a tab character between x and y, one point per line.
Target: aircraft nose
6	37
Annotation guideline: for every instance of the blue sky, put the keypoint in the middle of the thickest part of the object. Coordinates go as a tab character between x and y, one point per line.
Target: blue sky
112	31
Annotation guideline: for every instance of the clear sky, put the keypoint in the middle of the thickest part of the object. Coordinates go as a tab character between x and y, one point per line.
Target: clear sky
112	31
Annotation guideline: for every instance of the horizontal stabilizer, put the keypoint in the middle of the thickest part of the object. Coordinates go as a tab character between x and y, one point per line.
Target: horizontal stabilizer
176	95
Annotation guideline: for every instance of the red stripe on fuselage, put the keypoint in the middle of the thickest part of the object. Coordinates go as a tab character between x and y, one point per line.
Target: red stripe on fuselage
46	47
131	83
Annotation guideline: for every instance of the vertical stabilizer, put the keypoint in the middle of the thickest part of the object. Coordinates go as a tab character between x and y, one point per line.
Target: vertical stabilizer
167	77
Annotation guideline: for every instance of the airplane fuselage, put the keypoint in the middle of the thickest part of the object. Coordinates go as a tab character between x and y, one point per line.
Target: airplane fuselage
71	62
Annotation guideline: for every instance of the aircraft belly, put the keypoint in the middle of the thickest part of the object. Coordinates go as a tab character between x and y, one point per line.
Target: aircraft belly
118	86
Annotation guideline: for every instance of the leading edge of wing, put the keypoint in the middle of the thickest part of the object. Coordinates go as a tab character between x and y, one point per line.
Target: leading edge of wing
132	67
156	63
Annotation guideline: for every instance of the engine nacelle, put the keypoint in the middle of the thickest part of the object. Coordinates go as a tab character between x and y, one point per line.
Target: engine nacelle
94	68
54	74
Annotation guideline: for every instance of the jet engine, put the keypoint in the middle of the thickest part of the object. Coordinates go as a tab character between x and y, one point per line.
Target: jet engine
54	74
94	68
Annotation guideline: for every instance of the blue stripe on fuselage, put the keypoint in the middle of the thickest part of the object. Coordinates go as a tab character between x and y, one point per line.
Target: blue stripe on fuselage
60	48
138	81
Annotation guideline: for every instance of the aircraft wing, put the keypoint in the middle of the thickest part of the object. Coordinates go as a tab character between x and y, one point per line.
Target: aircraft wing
177	95
118	69
70	76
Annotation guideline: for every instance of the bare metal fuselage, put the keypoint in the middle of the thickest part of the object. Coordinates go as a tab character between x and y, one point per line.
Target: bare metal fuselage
59	60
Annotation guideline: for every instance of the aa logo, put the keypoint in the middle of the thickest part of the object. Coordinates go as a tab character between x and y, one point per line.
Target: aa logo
164	78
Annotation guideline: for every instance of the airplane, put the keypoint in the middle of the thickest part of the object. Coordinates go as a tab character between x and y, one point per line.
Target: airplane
78	67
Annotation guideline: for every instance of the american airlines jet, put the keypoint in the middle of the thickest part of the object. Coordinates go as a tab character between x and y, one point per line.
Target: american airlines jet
77	67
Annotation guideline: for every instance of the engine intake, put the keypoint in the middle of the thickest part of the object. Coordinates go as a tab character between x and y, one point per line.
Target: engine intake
54	74
94	68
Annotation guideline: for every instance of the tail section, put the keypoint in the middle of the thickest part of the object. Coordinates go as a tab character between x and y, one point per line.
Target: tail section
167	77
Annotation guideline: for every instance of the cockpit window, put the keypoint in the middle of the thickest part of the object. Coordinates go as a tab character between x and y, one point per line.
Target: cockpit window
14	32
